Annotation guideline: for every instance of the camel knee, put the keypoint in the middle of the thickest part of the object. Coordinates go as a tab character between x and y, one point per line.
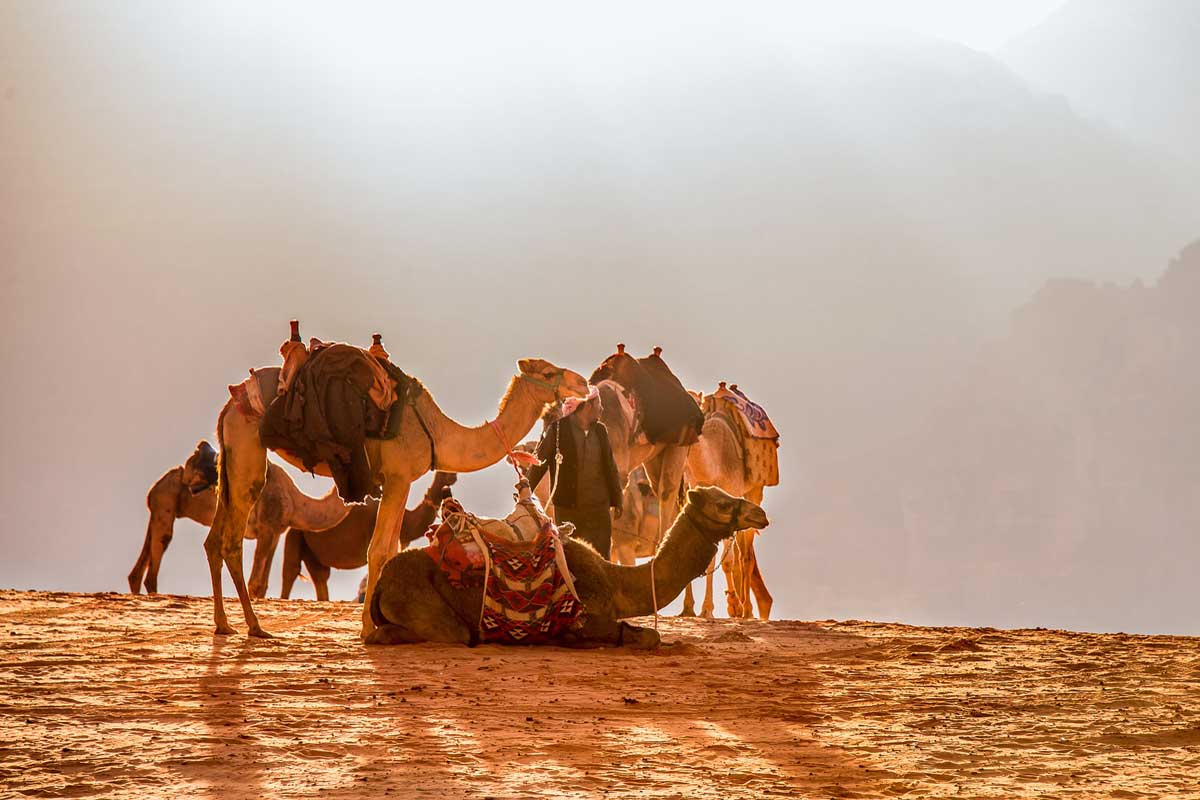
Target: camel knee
212	545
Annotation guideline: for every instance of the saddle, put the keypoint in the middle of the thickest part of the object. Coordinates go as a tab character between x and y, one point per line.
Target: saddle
755	431
529	596
667	413
336	399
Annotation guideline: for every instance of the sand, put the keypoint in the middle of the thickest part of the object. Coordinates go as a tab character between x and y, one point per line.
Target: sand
118	696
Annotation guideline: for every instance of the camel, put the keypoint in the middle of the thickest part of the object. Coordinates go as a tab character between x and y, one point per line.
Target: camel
280	506
188	491
427	439
718	459
663	462
184	492
635	533
415	602
344	546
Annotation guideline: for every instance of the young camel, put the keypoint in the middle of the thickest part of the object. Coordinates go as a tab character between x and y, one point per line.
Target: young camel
344	546
415	602
190	491
427	439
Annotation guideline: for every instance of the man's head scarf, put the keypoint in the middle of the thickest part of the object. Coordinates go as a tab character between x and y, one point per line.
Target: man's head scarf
572	404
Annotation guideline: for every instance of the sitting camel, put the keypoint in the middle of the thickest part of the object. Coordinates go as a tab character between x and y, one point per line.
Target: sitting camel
414	601
344	546
190	491
426	440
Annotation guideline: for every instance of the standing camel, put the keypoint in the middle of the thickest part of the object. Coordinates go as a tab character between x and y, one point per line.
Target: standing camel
664	462
344	546
720	459
190	491
426	439
636	532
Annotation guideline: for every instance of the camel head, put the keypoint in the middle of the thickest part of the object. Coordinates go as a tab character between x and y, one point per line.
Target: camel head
720	514
551	383
200	469
620	367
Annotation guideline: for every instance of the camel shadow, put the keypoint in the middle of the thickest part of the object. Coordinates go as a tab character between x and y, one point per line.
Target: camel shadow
229	743
700	719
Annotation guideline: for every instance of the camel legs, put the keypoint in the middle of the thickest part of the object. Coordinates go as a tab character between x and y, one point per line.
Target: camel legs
737	598
291	561
265	542
758	585
320	578
158	536
385	539
243	473
665	471
750	574
706	608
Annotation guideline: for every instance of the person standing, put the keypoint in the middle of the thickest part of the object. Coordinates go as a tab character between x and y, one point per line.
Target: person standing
587	485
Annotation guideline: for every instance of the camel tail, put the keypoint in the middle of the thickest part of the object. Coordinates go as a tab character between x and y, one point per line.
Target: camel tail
222	472
139	568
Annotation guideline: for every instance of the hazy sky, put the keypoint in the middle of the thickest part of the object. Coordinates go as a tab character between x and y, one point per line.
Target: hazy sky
832	208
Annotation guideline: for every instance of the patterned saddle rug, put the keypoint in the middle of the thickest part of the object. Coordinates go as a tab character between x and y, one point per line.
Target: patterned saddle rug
529	596
757	434
754	419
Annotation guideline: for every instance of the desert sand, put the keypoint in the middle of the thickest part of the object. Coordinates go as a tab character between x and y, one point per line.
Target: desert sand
113	695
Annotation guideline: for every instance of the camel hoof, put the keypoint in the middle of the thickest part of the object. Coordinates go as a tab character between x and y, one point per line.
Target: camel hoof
640	638
688	612
708	614
259	633
225	630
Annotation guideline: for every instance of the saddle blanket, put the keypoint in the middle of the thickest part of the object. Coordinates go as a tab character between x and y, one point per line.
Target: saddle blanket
754	418
528	597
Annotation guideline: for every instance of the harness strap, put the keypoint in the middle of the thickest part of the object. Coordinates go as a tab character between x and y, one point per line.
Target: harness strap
432	444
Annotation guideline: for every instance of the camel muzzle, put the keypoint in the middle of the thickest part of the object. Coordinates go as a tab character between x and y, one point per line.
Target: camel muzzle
753	517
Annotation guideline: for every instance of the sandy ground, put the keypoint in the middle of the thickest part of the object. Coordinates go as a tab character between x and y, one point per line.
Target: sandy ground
119	696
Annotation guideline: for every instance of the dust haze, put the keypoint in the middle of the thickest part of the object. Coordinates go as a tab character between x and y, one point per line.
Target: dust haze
953	269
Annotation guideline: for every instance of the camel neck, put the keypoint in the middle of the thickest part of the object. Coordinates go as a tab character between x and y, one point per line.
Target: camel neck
468	449
685	553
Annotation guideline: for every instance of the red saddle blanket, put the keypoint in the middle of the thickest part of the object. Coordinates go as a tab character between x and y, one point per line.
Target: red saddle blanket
528	595
527	599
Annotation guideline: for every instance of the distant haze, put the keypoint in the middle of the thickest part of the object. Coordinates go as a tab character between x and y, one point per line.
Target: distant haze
840	211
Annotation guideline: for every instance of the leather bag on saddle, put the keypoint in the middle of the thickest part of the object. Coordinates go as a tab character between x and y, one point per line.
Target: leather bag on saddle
333	401
667	412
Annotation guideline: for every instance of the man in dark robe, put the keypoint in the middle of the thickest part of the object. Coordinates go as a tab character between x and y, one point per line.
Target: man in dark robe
586	485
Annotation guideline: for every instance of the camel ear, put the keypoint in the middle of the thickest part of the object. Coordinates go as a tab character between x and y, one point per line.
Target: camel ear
525	365
693	496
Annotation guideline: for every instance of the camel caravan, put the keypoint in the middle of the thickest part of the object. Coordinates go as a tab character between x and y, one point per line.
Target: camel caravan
686	472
